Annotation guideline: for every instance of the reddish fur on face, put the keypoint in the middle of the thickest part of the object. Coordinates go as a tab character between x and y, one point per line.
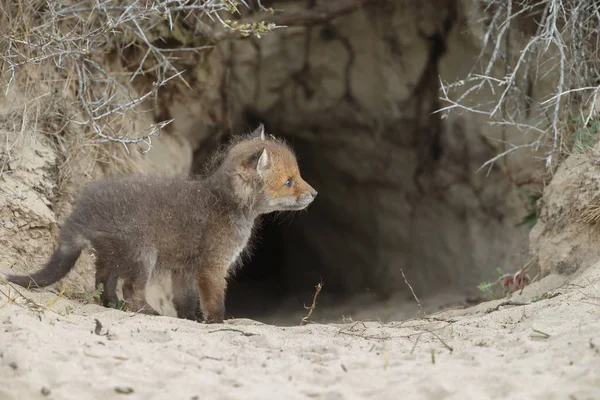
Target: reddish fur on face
283	167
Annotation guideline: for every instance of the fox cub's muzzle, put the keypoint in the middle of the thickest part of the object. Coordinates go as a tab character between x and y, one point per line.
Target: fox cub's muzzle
306	198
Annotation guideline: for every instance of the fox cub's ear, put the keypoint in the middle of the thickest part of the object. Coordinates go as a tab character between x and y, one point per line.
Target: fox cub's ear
264	162
259	132
260	160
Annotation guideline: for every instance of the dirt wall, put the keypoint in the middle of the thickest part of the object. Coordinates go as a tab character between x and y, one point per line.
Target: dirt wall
400	186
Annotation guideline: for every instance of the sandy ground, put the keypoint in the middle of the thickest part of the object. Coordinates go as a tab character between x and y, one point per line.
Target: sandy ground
546	349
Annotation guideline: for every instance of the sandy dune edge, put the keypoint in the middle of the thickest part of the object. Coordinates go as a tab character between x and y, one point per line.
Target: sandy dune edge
549	349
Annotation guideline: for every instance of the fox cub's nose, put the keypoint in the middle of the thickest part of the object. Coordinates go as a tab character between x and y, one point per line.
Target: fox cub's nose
313	193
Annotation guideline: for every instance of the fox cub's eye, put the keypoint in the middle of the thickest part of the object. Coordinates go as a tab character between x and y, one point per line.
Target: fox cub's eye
289	182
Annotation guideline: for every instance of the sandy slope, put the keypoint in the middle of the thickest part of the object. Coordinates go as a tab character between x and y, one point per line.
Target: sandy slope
495	354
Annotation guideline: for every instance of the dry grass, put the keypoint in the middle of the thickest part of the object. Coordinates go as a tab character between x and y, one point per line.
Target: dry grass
13	295
590	214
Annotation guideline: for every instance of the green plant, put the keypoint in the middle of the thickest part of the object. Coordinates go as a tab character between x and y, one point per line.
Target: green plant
68	310
87	296
488	287
119	305
585	135
506	283
530	219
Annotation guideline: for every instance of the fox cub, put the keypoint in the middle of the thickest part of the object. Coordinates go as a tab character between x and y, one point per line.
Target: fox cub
195	229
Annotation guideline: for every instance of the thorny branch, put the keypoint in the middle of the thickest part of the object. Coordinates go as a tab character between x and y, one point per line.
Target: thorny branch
76	37
564	46
322	13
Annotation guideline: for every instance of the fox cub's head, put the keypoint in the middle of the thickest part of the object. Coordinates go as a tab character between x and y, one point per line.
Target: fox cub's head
267	175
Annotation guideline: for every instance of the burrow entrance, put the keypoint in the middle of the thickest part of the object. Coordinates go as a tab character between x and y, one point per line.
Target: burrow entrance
445	229
401	194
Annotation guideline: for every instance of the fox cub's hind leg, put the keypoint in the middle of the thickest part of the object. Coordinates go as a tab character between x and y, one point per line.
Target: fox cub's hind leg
107	269
116	259
141	269
108	258
185	296
108	279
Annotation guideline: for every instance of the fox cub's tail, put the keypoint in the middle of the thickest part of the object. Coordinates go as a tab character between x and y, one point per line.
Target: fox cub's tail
61	262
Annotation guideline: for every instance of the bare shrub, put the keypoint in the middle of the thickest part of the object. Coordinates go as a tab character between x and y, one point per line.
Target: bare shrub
78	39
532	41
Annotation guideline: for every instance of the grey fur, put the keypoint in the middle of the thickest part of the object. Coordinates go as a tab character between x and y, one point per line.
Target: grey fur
195	228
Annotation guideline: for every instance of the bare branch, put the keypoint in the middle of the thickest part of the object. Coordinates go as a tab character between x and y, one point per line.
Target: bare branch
74	37
565	46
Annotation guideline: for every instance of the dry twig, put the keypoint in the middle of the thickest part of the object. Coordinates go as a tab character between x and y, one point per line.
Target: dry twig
413	293
310	309
234	330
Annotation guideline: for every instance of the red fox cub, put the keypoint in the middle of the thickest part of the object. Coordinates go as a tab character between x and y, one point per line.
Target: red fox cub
195	229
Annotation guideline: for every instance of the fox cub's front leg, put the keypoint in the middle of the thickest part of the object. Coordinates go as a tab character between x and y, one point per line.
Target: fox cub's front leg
212	284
